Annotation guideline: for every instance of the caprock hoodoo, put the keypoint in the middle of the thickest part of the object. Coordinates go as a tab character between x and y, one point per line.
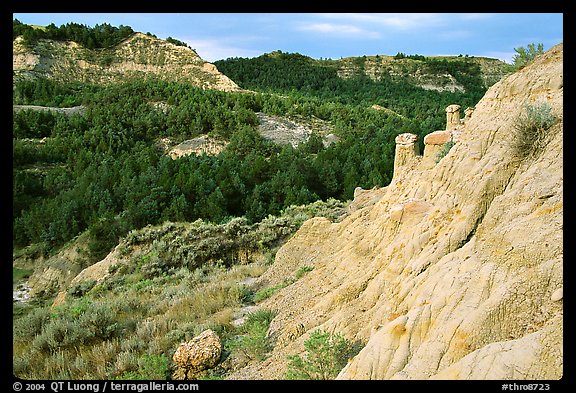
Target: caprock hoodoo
454	270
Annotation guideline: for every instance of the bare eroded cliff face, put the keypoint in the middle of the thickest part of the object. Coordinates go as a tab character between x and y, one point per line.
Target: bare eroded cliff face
456	271
138	56
417	72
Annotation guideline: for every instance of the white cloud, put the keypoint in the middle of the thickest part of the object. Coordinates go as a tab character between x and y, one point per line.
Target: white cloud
400	21
504	56
337	29
215	49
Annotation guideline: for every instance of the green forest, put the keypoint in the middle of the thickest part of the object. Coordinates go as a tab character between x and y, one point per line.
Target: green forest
301	75
102	171
99	36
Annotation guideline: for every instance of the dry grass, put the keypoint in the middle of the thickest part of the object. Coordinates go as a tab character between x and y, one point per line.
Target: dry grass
153	316
131	324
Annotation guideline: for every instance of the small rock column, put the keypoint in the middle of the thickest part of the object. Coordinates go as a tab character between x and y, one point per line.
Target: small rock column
406	151
433	144
452	117
456	132
468	113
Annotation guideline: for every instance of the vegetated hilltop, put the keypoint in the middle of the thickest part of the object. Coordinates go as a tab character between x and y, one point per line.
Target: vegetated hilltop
455	272
101	169
440	73
437	73
139	55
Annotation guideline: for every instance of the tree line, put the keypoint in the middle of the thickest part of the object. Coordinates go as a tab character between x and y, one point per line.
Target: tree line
293	73
103	171
100	36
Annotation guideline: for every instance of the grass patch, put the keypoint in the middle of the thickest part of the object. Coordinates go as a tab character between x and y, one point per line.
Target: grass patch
20	274
265	293
253	342
445	149
303	270
151	367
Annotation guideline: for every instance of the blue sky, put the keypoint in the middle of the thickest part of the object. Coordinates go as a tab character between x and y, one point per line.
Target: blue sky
334	35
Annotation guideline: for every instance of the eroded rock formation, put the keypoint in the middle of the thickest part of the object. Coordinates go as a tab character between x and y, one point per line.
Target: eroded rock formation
456	271
407	151
452	117
137	56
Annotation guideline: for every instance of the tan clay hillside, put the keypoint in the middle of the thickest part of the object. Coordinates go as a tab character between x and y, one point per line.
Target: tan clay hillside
139	55
416	72
455	271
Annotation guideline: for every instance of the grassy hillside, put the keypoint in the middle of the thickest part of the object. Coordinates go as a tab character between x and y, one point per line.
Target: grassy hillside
165	284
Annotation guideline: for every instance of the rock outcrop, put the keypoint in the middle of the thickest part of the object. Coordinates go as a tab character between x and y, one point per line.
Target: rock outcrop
66	111
138	56
200	145
418	73
407	151
294	131
57	272
456	271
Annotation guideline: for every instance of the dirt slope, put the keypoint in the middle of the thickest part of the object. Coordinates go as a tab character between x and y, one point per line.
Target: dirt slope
456	272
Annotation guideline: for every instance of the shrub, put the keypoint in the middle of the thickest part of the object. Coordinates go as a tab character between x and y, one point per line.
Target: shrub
31	324
155	266
60	334
445	149
326	354
254	342
303	270
100	321
82	288
79	323
532	129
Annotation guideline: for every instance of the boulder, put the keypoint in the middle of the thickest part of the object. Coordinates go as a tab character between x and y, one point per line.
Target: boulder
201	353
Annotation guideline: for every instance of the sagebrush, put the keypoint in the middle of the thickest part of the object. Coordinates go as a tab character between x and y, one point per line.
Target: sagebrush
532	128
326	355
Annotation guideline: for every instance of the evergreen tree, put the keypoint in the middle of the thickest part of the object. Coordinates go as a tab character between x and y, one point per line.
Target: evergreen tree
526	55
